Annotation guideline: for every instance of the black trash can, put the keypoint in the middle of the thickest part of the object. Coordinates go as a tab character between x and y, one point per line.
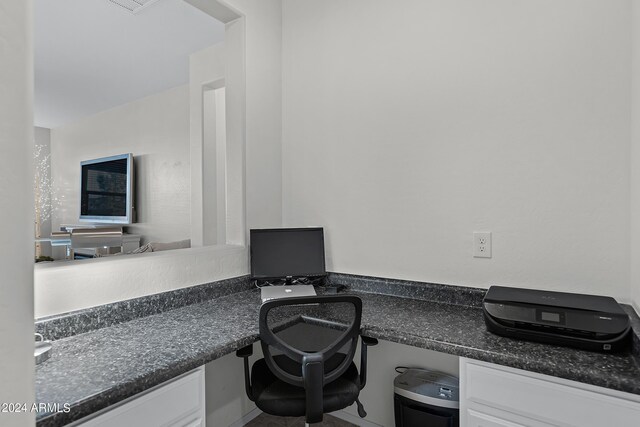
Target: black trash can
425	398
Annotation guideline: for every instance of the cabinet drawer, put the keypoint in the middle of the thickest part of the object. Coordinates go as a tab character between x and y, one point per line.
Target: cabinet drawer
478	419
198	422
532	396
178	403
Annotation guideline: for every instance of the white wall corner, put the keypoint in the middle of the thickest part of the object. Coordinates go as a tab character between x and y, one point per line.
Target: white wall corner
17	212
263	29
205	67
634	157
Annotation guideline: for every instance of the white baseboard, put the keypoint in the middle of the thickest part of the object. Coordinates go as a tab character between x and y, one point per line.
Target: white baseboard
354	419
246	418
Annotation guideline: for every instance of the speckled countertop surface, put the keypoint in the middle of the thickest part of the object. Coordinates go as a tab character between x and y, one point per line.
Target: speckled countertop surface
96	369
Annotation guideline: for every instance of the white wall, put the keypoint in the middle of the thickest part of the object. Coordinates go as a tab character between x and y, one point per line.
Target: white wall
205	67
635	157
156	130
406	128
214	178
16	214
264	111
217	157
66	286
262	115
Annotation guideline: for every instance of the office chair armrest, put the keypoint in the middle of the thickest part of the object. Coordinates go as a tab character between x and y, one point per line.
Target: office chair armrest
366	342
245	352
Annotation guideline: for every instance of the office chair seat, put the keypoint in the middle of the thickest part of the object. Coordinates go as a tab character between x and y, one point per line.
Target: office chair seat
277	397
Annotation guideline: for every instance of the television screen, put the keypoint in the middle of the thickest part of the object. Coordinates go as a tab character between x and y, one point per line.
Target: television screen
287	252
106	189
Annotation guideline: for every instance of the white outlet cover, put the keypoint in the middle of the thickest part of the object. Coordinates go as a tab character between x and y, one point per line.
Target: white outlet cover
482	244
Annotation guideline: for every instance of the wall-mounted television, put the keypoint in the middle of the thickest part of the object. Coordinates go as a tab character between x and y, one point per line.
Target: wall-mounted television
106	190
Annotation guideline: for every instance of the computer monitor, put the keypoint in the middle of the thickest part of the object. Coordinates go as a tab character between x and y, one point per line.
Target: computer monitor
281	253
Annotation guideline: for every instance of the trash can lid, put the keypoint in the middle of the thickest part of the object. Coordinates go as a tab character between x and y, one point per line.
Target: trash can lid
430	387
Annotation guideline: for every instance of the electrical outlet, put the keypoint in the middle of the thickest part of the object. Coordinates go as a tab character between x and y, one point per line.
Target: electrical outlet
482	244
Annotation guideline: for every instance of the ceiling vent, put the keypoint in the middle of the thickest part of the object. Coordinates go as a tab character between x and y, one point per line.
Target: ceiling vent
133	6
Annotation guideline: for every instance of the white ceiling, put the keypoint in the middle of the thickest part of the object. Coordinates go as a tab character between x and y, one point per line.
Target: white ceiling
92	55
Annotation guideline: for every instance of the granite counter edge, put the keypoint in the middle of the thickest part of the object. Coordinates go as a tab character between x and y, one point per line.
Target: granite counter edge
119	393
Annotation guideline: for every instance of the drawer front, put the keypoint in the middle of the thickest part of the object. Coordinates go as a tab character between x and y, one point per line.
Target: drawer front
478	419
546	401
179	403
197	422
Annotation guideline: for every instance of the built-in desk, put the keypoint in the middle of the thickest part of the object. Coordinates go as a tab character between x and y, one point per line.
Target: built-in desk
99	368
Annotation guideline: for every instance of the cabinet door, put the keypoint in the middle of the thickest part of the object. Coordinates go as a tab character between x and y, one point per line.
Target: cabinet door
478	419
176	403
522	395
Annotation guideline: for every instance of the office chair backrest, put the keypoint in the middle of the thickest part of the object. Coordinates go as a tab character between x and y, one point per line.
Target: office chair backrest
323	356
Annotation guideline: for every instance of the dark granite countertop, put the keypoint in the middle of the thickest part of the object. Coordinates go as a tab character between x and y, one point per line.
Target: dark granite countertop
99	368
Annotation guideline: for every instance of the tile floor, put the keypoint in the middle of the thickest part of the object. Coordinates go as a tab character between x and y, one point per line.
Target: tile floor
266	420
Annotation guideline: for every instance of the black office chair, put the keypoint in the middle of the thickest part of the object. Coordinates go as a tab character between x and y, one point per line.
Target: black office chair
308	345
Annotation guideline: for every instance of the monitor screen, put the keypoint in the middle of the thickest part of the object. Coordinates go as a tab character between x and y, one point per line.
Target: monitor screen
284	252
106	188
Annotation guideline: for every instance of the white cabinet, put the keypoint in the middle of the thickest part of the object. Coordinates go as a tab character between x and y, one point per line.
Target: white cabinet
497	396
176	403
